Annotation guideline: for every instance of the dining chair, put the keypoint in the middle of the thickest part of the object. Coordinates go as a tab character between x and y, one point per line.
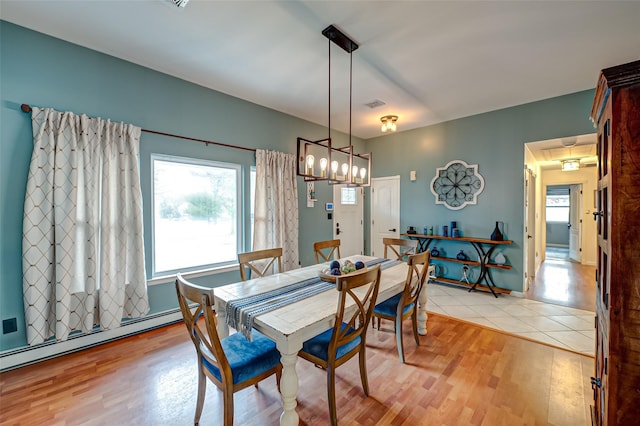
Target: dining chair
400	247
326	250
405	304
260	262
357	297
232	363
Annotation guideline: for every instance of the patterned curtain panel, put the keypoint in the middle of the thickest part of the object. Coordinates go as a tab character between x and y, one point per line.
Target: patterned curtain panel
83	253
276	205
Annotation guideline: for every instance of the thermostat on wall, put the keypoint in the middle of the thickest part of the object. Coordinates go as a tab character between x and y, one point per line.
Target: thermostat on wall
328	207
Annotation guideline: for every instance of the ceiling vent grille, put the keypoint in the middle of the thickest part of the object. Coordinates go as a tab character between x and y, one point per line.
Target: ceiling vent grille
180	3
375	103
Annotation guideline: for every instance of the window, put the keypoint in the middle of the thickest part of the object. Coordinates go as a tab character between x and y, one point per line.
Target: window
558	208
195	213
348	196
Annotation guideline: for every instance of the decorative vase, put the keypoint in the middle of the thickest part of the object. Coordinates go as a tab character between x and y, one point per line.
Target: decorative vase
435	252
445	231
496	235
462	255
500	259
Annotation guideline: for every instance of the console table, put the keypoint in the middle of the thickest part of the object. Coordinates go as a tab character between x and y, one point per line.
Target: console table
484	248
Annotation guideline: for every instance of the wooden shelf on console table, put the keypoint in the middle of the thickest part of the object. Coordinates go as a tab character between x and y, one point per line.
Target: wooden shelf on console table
473	285
484	256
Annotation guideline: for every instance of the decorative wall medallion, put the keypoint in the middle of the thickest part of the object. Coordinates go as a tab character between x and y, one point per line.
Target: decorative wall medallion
457	184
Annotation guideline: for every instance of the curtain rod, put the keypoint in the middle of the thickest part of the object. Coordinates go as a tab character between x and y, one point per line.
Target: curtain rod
27	108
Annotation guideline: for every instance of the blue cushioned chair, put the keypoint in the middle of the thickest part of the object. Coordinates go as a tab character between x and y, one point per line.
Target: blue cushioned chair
400	247
232	363
337	345
260	263
324	251
405	304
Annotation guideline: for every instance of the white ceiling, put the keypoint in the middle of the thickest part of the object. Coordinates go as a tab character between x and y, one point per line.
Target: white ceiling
428	61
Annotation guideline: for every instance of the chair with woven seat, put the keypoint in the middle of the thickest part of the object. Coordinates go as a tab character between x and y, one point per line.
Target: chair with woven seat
326	250
259	262
405	305
400	247
347	338
232	363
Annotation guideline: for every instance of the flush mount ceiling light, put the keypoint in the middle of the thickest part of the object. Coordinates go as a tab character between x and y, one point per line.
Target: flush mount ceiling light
389	123
336	165
570	165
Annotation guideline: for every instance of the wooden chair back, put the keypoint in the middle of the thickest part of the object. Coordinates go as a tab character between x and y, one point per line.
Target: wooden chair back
362	289
400	247
416	277
259	262
326	250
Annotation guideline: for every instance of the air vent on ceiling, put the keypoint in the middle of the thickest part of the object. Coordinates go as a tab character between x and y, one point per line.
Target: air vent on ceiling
375	103
180	3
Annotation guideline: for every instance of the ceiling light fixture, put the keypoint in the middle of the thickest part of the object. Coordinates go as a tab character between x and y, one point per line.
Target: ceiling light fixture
356	168
389	123
570	165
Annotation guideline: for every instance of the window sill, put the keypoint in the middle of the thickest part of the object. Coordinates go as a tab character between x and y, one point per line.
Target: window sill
192	274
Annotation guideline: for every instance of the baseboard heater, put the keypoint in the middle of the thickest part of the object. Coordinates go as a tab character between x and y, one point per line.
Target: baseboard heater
26	355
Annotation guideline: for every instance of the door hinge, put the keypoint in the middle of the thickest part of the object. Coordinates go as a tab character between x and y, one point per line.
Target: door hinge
606	365
596	382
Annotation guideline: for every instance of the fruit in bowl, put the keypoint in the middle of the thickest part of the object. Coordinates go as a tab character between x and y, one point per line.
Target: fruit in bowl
348	267
335	271
359	264
334	265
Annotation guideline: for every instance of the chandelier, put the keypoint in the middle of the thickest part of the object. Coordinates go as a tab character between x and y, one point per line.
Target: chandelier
319	160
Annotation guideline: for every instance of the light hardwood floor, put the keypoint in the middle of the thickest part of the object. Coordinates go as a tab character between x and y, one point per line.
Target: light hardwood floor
566	283
461	374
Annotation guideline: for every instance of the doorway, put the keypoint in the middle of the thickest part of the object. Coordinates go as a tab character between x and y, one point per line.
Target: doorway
565	238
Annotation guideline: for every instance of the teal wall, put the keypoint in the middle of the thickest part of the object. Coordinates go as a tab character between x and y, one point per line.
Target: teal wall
43	71
495	142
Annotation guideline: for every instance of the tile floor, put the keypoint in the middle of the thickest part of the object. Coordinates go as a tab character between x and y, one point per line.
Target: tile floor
556	325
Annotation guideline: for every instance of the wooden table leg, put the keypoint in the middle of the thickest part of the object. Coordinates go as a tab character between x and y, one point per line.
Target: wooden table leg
221	315
422	303
289	386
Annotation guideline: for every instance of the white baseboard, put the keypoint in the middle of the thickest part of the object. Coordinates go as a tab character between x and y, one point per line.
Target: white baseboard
516	293
15	358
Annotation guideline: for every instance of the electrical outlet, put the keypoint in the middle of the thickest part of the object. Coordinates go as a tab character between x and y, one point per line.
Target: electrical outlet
9	325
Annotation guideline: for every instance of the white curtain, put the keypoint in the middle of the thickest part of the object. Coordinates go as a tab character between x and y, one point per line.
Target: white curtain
276	205
83	252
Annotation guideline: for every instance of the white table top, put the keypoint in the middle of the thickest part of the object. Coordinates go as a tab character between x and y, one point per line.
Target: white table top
308	317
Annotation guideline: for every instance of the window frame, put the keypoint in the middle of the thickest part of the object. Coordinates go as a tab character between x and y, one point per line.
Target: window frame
238	214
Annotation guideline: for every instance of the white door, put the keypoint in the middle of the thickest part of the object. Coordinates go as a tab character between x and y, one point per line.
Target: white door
529	230
385	211
575	222
348	219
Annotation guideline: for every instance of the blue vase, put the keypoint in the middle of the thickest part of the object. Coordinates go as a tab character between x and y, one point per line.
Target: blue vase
435	252
462	256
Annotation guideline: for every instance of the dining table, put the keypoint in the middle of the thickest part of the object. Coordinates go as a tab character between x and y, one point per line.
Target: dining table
291	324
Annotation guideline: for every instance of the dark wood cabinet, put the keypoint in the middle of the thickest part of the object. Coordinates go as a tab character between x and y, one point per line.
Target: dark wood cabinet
616	113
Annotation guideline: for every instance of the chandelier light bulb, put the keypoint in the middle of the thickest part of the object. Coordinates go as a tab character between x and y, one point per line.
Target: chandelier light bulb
323	167
354	173
310	160
363	173
334	169
345	170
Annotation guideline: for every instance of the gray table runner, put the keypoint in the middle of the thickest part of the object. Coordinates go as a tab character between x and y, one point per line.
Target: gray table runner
240	313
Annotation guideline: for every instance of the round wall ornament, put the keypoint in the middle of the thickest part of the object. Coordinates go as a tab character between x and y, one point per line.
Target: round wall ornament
457	184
